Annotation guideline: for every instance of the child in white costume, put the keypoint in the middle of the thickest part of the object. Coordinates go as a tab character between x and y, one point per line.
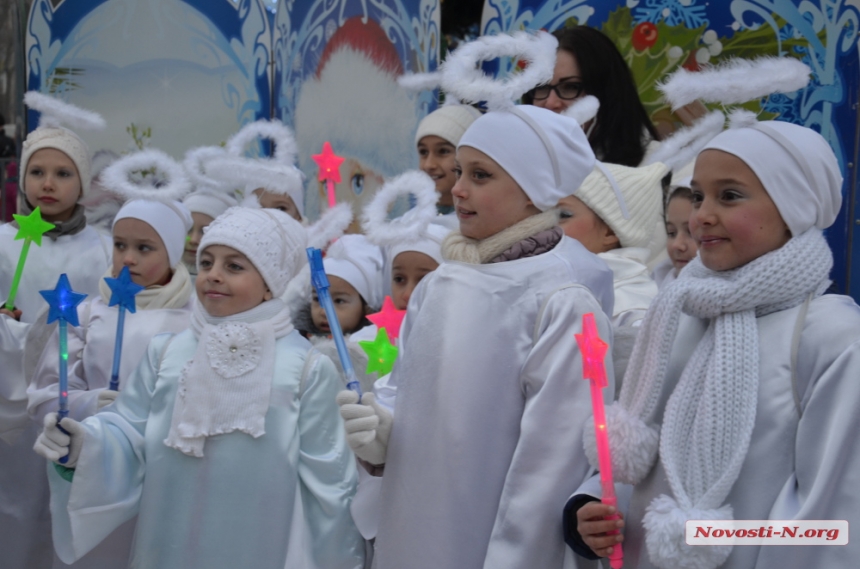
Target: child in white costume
54	176
613	214
746	373
680	245
275	494
489	377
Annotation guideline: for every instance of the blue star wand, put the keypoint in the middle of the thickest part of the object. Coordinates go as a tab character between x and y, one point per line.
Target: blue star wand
321	285
63	307
122	293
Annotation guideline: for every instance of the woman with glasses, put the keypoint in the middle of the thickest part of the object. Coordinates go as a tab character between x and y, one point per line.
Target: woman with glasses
588	63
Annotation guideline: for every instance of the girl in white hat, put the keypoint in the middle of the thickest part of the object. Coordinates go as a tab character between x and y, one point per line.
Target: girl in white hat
489	391
226	441
743	402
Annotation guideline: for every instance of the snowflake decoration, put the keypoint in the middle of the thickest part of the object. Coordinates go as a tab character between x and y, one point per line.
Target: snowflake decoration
673	12
234	349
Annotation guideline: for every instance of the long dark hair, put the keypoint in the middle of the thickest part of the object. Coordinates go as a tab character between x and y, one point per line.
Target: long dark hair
619	135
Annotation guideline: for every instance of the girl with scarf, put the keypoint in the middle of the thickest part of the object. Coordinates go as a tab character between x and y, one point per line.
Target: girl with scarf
741	397
226	441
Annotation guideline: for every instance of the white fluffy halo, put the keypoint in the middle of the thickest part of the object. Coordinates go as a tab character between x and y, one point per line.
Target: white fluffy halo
330	226
196	162
736	81
685	144
238	172
420	81
274	130
117	177
583	110
742	118
412	224
463	78
56	113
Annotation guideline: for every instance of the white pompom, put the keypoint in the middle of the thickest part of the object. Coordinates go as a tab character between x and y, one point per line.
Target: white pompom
633	445
118	177
666	541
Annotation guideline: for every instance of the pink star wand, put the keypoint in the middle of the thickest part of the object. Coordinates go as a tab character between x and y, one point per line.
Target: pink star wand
329	165
593	351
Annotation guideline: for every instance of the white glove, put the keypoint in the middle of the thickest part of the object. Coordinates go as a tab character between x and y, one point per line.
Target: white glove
106	397
54	444
367	425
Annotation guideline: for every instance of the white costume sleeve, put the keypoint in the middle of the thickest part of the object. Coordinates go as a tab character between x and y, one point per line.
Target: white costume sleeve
827	450
108	482
43	391
327	471
549	462
13	385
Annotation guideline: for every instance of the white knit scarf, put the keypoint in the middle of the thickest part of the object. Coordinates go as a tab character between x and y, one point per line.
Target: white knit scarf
709	418
227	385
174	294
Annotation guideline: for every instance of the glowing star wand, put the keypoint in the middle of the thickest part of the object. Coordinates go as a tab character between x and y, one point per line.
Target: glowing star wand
122	293
593	351
30	228
329	165
63	307
320	282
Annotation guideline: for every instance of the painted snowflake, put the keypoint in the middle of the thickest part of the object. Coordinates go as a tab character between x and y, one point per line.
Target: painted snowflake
673	12
234	349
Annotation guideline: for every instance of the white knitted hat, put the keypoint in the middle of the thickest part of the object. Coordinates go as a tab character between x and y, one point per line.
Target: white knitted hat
359	262
171	220
547	154
448	123
272	240
642	193
50	134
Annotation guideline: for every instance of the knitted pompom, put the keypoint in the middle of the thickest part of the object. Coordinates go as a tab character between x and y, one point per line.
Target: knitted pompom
56	113
161	178
464	78
330	226
665	537
632	444
583	110
411	225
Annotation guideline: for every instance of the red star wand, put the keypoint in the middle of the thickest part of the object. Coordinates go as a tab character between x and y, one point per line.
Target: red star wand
329	165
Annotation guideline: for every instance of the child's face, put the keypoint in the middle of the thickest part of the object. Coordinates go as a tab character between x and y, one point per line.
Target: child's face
734	221
201	221
348	305
438	158
52	184
228	283
269	200
138	246
680	243
487	199
581	223
407	270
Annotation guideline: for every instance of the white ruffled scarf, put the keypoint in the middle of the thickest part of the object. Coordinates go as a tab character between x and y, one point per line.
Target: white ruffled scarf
227	385
709	418
174	294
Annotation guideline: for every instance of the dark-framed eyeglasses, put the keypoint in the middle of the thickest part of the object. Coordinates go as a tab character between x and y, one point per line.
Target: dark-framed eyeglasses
567	90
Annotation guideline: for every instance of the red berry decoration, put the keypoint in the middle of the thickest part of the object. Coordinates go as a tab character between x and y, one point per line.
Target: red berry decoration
692	64
644	36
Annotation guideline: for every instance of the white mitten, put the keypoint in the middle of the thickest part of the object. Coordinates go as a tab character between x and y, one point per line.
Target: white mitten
54	444
106	397
367	425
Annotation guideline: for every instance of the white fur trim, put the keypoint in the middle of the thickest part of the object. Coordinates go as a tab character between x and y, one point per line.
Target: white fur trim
583	110
241	172
56	113
116	177
633	445
412	224
420	81
330	226
665	537
251	200
274	130
685	144
196	161
462	77
736	81
742	118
